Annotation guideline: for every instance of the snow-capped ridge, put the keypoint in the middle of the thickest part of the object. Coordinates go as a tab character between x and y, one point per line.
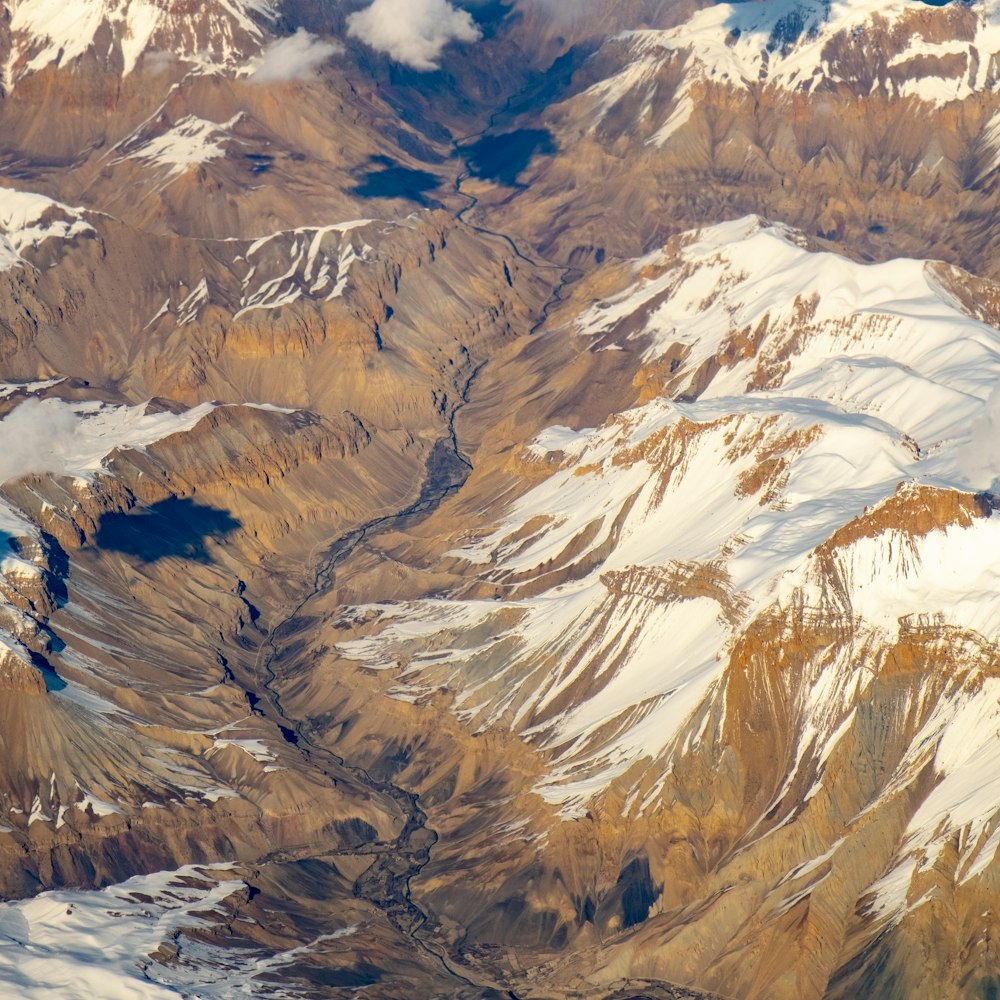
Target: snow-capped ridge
808	389
221	33
27	220
899	48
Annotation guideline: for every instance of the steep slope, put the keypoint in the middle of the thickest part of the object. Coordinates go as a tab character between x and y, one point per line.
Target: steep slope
132	747
870	124
157	707
175	120
778	572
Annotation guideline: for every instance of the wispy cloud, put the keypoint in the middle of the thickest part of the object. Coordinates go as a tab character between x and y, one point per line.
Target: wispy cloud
293	58
159	61
74	438
35	438
413	32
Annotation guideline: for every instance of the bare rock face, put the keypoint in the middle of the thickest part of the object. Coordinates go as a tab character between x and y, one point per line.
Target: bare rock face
17	676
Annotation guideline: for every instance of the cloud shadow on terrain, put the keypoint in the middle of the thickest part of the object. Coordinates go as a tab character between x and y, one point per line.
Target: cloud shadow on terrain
174	527
503	157
387	179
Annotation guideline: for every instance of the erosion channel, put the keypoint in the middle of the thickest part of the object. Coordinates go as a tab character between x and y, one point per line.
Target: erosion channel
386	882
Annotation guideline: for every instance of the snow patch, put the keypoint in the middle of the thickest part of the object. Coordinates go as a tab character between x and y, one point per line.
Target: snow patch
80	945
190	142
27	220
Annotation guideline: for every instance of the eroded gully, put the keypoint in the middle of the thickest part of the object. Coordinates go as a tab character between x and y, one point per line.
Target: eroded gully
386	882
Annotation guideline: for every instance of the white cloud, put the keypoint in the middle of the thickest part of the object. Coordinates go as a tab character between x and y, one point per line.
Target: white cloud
293	58
35	438
74	438
158	61
413	32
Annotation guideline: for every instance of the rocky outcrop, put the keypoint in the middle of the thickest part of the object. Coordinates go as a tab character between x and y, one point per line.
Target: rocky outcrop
17	675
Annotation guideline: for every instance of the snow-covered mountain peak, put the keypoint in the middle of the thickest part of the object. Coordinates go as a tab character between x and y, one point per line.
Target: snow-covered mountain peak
49	32
896	48
804	388
932	52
